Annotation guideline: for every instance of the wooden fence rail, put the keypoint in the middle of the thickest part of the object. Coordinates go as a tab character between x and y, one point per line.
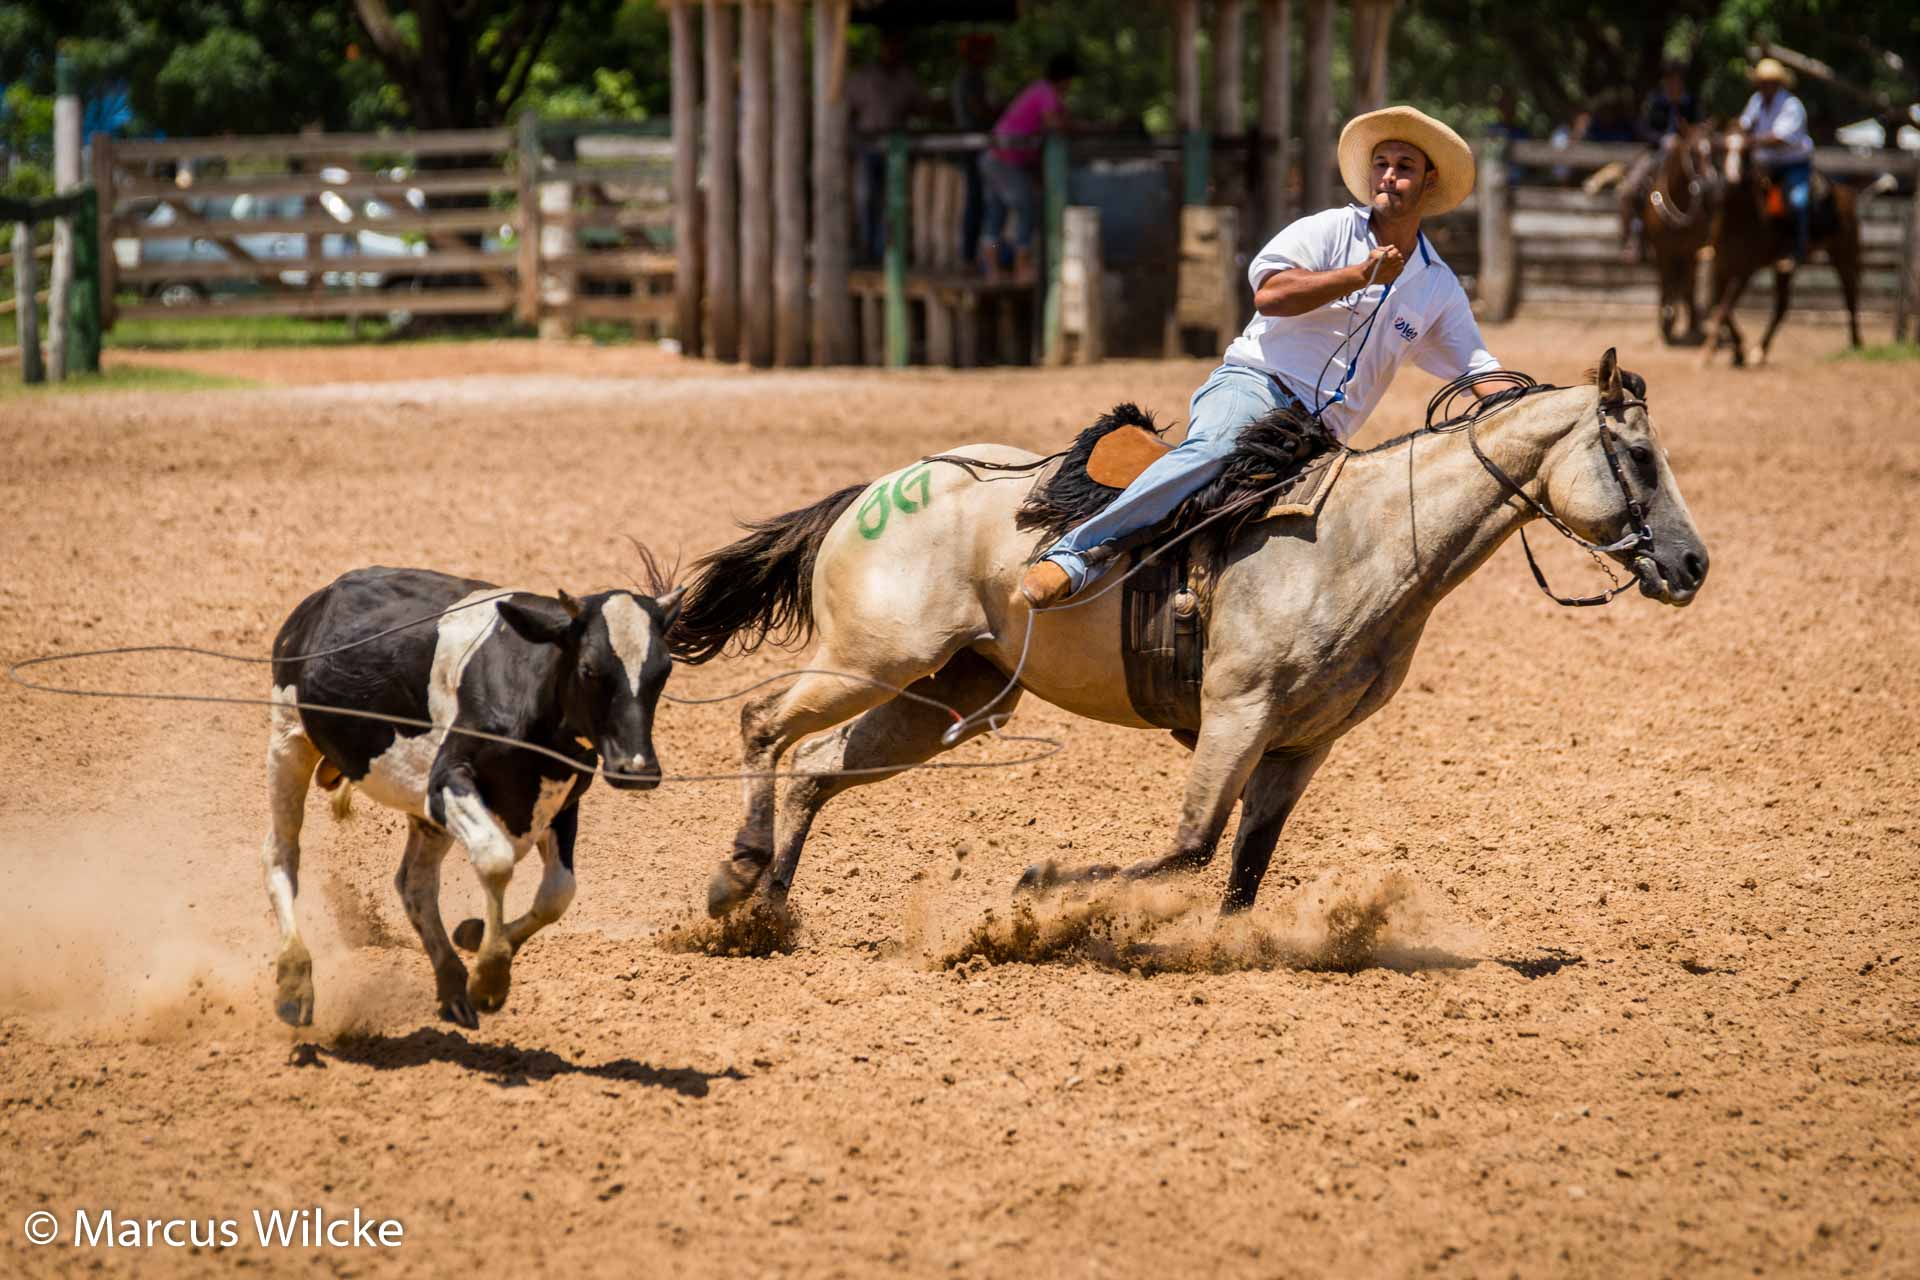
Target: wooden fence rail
555	224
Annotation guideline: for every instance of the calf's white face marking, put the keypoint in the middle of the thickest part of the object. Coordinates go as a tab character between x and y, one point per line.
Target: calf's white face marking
631	631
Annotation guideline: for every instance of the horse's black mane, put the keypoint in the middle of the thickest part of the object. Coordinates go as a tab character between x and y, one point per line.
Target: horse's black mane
1270	449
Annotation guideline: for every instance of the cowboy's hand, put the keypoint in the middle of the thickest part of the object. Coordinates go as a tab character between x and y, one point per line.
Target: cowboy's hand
1384	265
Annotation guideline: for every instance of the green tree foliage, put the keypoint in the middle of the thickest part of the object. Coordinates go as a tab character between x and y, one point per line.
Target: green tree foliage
212	66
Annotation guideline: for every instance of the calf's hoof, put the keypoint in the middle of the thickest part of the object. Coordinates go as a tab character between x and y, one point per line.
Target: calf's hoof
492	975
733	880
467	934
293	985
459	1011
1038	878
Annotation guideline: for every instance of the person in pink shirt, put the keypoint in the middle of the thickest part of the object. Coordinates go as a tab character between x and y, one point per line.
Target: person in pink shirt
1010	169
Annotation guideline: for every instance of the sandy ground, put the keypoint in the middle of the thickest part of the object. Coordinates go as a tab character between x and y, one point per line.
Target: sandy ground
1644	1001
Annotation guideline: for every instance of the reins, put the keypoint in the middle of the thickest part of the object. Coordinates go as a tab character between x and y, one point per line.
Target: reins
1638	540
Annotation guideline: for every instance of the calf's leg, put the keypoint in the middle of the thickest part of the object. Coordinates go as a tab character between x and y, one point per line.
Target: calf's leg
418	881
550	900
492	854
291	757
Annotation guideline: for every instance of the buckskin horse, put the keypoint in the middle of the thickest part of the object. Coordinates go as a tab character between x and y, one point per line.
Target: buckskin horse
909	583
1748	236
1677	214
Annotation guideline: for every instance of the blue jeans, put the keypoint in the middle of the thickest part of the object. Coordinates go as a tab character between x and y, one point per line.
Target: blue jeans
1796	182
1231	397
1009	189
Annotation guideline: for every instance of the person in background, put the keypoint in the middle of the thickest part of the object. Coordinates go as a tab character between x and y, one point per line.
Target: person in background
881	97
972	113
1667	110
1776	124
1010	169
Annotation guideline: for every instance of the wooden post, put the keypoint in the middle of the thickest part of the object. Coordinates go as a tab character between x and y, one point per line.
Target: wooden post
103	247
833	330
1054	171
896	256
790	184
1499	276
756	175
1372	25
83	340
66	177
685	105
527	304
26	313
1908	307
1317	132
1276	112
1081	313
1229	57
559	288
723	178
1194	144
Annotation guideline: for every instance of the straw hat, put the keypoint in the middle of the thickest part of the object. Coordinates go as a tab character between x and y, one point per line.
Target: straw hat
1451	158
1771	69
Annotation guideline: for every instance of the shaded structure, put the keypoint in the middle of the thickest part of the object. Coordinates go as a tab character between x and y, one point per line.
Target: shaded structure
764	181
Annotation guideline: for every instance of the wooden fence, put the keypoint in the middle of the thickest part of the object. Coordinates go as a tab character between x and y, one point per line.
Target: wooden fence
556	224
1544	239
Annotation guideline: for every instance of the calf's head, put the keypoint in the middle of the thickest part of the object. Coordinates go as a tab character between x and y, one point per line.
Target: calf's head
613	663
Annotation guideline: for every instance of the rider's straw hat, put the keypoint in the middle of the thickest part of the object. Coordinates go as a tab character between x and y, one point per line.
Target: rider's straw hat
1451	158
1771	69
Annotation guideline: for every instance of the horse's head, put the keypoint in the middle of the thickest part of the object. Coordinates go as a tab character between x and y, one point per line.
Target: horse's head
1611	464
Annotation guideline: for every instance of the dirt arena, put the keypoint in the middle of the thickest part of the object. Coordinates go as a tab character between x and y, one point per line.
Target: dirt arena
1644	1000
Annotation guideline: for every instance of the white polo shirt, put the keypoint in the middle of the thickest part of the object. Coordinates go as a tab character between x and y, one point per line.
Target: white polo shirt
1786	119
1424	316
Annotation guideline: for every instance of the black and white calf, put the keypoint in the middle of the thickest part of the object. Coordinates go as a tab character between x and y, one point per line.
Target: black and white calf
580	677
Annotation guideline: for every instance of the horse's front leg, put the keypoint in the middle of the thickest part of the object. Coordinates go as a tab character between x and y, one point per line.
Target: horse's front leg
1276	786
1231	741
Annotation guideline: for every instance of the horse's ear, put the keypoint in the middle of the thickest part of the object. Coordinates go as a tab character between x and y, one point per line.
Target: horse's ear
1607	378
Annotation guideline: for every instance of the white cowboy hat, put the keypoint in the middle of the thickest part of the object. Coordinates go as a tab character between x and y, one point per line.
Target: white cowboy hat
1451	158
1771	69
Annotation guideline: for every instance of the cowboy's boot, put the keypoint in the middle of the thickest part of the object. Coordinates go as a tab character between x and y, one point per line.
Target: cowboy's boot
1045	585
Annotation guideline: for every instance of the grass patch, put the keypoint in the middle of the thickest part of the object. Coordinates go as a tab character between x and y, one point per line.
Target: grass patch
1882	352
115	378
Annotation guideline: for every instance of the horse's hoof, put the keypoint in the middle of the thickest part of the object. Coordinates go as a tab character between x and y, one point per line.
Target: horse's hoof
467	934
293	985
1038	878
733	880
460	1012
295	1013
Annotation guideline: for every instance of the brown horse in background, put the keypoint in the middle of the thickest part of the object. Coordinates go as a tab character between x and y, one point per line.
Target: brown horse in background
1746	239
1677	212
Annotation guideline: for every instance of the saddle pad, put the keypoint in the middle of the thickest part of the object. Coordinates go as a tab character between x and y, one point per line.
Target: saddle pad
1122	454
1307	492
1163	642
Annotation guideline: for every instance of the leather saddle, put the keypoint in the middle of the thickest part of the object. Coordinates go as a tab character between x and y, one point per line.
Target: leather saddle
1123	453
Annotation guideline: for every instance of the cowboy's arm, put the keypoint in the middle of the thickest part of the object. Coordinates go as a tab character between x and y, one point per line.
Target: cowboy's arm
1297	291
1453	346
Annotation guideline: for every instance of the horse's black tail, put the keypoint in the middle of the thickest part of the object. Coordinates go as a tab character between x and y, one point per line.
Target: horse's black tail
759	589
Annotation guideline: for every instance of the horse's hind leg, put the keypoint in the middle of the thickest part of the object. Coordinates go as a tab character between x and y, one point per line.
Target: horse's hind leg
1844	251
1782	298
771	724
291	757
889	739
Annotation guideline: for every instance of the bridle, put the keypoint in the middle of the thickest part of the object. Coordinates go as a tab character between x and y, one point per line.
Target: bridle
1636	542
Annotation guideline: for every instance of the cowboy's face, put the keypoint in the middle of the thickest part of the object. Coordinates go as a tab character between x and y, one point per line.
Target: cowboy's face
1767	89
1401	178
